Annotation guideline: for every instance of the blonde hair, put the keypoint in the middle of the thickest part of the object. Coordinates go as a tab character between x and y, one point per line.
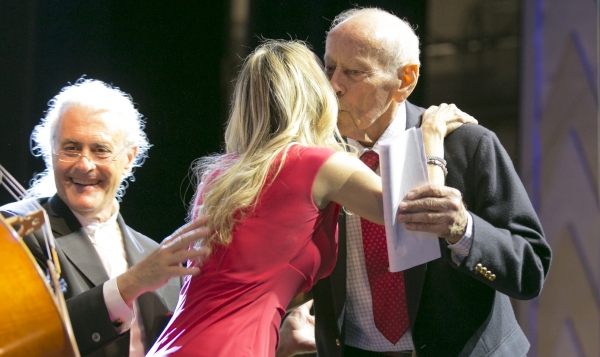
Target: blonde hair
281	98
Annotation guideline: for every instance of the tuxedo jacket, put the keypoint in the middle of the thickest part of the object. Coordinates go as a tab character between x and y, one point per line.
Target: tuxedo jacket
84	275
457	310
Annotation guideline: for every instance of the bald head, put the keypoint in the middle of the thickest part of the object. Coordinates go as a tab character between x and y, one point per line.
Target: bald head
372	62
381	35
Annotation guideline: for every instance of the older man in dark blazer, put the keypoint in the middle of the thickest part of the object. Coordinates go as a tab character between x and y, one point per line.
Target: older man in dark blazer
455	309
490	238
120	285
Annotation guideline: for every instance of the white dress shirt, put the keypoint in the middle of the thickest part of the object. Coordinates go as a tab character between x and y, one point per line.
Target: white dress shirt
107	239
361	331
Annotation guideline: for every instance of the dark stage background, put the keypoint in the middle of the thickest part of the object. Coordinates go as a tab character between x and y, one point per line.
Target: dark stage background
174	59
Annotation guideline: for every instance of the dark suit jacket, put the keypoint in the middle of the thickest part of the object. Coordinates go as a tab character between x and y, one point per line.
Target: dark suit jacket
85	276
455	310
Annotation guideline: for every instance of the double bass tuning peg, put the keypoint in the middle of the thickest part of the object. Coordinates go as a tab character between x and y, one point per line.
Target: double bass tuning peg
27	224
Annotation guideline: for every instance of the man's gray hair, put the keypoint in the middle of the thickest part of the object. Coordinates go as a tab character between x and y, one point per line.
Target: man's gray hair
94	95
401	47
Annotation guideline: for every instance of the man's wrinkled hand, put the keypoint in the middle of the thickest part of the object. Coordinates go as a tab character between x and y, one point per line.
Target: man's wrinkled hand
298	332
165	262
435	209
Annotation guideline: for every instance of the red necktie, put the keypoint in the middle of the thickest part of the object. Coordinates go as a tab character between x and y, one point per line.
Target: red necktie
387	289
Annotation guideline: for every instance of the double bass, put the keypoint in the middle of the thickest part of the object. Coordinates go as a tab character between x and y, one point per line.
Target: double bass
35	319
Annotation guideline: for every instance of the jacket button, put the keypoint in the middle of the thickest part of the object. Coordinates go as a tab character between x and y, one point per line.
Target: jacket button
478	267
96	337
492	277
483	271
337	342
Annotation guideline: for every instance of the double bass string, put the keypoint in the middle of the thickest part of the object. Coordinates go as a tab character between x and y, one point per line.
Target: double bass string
14	188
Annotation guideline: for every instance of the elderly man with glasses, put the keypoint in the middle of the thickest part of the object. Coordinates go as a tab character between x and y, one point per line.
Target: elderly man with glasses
121	286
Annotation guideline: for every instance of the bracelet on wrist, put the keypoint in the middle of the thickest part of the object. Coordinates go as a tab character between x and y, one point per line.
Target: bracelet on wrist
438	161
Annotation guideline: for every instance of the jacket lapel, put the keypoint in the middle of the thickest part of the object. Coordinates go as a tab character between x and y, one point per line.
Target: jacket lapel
134	251
413	115
338	275
414	278
74	242
151	306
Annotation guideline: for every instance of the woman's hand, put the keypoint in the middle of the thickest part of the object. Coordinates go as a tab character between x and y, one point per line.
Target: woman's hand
435	208
437	123
444	119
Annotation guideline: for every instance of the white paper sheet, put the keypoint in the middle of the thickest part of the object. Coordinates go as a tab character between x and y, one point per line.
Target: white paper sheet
402	167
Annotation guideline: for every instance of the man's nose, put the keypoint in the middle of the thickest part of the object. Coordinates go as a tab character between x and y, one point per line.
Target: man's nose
336	83
85	163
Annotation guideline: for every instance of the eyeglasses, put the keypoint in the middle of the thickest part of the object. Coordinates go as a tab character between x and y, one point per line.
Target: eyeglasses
97	157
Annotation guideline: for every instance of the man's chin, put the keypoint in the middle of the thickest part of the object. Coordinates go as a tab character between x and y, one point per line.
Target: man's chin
82	203
352	133
347	126
347	129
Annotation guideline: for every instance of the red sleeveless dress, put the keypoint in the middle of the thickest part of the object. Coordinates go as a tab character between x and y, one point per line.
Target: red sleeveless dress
235	305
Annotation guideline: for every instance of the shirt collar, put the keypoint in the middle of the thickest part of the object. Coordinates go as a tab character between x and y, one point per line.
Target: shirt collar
92	225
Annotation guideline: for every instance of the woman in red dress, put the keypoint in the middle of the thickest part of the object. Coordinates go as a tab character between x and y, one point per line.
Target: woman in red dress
273	200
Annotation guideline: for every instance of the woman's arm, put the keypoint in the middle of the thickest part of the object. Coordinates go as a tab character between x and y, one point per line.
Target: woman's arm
349	182
439	121
346	180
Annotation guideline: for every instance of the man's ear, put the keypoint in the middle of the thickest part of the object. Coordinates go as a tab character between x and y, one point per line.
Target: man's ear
408	76
131	153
